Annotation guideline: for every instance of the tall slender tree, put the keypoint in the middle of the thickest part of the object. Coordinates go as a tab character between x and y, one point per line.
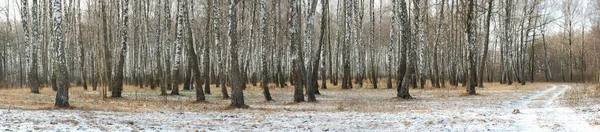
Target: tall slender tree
219	48
472	49
407	61
107	54
312	84
346	79
486	43
436	68
192	57
237	99
296	51
393	43
62	95
175	69
117	82
206	54
265	45
159	66
25	21
33	71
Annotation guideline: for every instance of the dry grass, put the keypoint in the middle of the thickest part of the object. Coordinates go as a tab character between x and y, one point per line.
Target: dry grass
581	95
334	98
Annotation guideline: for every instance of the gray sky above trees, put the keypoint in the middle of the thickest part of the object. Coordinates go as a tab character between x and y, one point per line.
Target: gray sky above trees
587	11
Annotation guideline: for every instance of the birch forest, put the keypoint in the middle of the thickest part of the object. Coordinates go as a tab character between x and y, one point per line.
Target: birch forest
293	50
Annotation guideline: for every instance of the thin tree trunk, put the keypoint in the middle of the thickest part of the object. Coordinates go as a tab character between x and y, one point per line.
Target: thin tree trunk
548	71
62	95
582	67
33	72
374	68
206	56
107	54
471	18
346	80
117	82
296	51
326	61
436	71
175	72
265	72
236	87
25	21
487	43
192	57
220	54
404	80
391	48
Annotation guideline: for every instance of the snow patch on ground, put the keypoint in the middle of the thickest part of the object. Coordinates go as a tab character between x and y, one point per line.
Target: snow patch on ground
76	120
540	111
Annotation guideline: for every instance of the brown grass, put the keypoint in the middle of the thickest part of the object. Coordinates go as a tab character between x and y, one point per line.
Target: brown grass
581	95
334	98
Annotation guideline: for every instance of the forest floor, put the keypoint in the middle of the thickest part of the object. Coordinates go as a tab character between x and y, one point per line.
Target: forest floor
541	107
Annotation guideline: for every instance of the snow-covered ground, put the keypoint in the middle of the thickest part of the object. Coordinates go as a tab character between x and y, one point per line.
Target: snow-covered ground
540	110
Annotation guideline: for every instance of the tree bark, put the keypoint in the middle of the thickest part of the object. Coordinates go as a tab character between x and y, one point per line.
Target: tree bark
313	77
265	72
436	78
117	82
107	54
404	80
207	46
471	28
62	95
487	43
192	57
346	79
296	51
178	41
159	66
237	100
33	71
217	36
390	54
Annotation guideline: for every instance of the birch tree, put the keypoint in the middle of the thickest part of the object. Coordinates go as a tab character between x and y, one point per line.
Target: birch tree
192	57
265	45
436	68
507	55
107	54
312	78
486	43
346	79
178	41
219	48
472	40
25	22
159	66
296	51
237	99
33	72
206	55
117	82
393	42
569	9
407	61
62	95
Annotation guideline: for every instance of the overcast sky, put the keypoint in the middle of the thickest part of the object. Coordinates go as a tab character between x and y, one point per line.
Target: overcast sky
555	8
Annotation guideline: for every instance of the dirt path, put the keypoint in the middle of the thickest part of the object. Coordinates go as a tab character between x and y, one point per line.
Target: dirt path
540	112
